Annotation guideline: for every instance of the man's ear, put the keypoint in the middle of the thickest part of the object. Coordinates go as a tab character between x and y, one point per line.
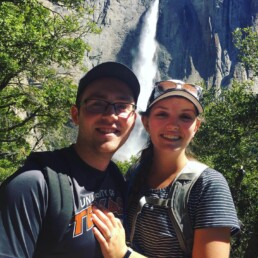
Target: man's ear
75	114
145	122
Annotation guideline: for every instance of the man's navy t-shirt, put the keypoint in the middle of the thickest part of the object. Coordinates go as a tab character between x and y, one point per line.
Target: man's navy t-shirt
26	202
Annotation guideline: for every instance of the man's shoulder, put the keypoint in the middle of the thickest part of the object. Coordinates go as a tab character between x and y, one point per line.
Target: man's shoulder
49	155
55	159
34	166
31	179
22	185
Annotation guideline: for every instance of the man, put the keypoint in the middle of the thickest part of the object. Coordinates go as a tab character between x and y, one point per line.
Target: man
105	115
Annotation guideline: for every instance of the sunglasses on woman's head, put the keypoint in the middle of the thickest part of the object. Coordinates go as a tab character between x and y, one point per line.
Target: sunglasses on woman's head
170	85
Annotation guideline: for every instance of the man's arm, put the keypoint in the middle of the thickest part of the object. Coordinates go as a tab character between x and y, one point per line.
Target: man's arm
23	207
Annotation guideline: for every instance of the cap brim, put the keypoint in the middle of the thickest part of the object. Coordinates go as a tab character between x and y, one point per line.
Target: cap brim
180	93
111	69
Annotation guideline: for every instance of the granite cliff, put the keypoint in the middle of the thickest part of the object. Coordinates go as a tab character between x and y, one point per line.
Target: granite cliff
194	36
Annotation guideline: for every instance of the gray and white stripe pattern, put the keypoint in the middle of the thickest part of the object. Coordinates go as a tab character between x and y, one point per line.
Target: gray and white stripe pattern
210	205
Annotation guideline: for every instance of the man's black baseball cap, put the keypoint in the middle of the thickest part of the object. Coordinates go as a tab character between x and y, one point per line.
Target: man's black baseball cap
109	69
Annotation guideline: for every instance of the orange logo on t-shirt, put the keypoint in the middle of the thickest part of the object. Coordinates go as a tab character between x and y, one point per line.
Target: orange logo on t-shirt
84	217
79	218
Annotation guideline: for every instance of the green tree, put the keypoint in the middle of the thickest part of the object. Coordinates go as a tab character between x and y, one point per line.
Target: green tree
126	164
228	142
40	41
246	40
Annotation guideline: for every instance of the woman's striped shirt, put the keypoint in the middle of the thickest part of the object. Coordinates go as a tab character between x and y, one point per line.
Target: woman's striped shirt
210	205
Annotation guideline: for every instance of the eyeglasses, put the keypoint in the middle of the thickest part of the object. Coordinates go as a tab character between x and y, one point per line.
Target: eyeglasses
99	106
170	85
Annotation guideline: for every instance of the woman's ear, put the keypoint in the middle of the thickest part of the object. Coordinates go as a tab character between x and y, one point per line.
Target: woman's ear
197	126
75	114
145	122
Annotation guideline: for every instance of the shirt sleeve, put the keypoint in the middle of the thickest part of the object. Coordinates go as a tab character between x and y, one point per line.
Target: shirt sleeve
23	207
212	202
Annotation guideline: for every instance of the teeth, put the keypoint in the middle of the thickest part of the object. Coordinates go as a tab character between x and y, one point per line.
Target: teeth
108	130
171	137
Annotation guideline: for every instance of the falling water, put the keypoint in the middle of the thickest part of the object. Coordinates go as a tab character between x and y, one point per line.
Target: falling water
144	66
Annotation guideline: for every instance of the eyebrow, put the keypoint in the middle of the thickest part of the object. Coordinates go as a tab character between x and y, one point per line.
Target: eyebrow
188	109
184	110
118	98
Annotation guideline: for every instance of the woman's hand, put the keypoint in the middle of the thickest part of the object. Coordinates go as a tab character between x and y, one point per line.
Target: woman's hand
110	233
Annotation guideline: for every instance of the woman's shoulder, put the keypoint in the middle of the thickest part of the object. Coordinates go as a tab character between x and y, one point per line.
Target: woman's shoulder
211	202
211	176
211	185
212	188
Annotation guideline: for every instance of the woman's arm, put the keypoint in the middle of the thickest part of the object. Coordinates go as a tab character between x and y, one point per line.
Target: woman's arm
211	243
110	234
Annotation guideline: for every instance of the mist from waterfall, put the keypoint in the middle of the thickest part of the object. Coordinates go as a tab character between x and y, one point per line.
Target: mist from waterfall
144	66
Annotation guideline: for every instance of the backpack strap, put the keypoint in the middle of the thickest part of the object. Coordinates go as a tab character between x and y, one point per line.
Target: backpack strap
141	203
59	212
177	203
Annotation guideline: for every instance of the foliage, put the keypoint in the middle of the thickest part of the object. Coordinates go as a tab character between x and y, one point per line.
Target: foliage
39	44
125	165
246	40
228	142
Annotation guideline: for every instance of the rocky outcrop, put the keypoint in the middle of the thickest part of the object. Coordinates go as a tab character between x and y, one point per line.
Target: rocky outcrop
197	35
119	21
194	36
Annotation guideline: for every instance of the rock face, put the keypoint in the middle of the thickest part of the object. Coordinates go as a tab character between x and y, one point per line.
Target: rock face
194	43
120	24
194	36
197	35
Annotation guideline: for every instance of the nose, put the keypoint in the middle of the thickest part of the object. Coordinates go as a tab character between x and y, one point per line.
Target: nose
110	110
172	127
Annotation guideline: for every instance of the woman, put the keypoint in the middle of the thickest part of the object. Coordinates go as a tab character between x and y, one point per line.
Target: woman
172	118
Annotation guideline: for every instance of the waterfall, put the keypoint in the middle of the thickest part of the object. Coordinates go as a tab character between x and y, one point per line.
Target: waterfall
144	66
